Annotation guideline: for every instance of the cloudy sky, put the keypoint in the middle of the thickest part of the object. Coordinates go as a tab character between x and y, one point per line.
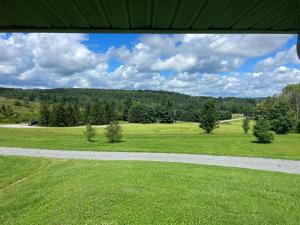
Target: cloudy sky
196	64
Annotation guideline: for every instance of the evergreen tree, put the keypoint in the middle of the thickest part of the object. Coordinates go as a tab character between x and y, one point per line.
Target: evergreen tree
71	115
262	131
87	113
44	114
166	113
136	113
109	112
139	113
58	115
97	114
298	127
127	104
246	125
209	117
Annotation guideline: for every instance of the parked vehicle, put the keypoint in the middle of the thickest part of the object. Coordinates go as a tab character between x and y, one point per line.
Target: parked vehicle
33	123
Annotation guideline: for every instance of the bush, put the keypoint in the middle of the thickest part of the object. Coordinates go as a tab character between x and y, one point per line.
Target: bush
246	125
262	131
90	132
114	132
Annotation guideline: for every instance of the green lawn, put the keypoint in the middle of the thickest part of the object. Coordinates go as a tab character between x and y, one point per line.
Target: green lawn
181	138
49	191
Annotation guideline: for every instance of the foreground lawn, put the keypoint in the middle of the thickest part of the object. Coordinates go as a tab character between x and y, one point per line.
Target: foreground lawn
180	138
49	191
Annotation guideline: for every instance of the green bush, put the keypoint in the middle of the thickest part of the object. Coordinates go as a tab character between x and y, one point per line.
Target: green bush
90	132
262	131
113	132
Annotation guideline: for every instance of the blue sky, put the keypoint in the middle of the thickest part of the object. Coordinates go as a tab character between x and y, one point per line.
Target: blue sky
246	65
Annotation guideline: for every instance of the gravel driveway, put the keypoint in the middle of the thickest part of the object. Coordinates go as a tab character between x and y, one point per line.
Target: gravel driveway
277	165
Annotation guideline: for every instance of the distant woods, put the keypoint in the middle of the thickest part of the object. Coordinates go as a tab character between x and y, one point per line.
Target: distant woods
101	113
70	107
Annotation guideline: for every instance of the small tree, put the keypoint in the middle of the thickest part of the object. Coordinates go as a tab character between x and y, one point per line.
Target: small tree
113	132
90	132
246	125
209	117
262	131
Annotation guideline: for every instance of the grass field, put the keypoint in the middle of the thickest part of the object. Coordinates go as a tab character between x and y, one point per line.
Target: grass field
48	191
181	138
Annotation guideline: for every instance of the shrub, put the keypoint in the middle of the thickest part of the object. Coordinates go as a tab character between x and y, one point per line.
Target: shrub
262	131
246	125
90	132
114	132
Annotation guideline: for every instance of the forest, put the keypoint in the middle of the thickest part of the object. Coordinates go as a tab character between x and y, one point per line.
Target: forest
75	106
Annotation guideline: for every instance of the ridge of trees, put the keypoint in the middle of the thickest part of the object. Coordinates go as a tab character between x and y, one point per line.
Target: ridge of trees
91	101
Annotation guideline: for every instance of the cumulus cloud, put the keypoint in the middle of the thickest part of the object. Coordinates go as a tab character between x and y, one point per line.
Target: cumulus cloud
197	64
288	56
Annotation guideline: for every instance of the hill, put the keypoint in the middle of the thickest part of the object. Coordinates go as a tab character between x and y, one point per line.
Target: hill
185	105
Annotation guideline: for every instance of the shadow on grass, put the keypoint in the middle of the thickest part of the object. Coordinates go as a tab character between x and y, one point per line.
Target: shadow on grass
257	142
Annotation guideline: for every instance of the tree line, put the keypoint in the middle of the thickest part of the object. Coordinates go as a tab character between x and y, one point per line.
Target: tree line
277	114
186	108
104	112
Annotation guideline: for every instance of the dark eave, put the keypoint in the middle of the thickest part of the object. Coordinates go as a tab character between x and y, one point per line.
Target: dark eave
150	16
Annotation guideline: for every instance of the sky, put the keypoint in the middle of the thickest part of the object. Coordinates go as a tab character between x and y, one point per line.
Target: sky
241	65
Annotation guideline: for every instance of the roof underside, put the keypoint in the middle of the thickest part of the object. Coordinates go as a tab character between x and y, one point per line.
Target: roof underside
151	16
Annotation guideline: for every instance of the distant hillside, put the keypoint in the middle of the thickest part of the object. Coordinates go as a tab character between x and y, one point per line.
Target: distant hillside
81	96
16	111
186	106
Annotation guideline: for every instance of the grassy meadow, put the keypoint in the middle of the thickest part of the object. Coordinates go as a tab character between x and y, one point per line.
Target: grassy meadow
228	139
51	191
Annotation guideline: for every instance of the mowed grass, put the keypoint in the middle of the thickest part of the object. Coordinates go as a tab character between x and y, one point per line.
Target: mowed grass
228	139
49	191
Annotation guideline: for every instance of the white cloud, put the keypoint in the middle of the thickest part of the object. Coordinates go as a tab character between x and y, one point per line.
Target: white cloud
197	64
288	56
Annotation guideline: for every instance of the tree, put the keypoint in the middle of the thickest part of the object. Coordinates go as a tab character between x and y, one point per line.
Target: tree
298	127
44	114
97	114
224	115
140	113
90	132
113	132
209	117
87	113
72	114
280	117
166	112
278	113
262	131
246	125
291	94
58	115
127	104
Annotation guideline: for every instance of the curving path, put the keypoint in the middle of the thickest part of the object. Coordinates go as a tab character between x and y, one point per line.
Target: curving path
277	165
